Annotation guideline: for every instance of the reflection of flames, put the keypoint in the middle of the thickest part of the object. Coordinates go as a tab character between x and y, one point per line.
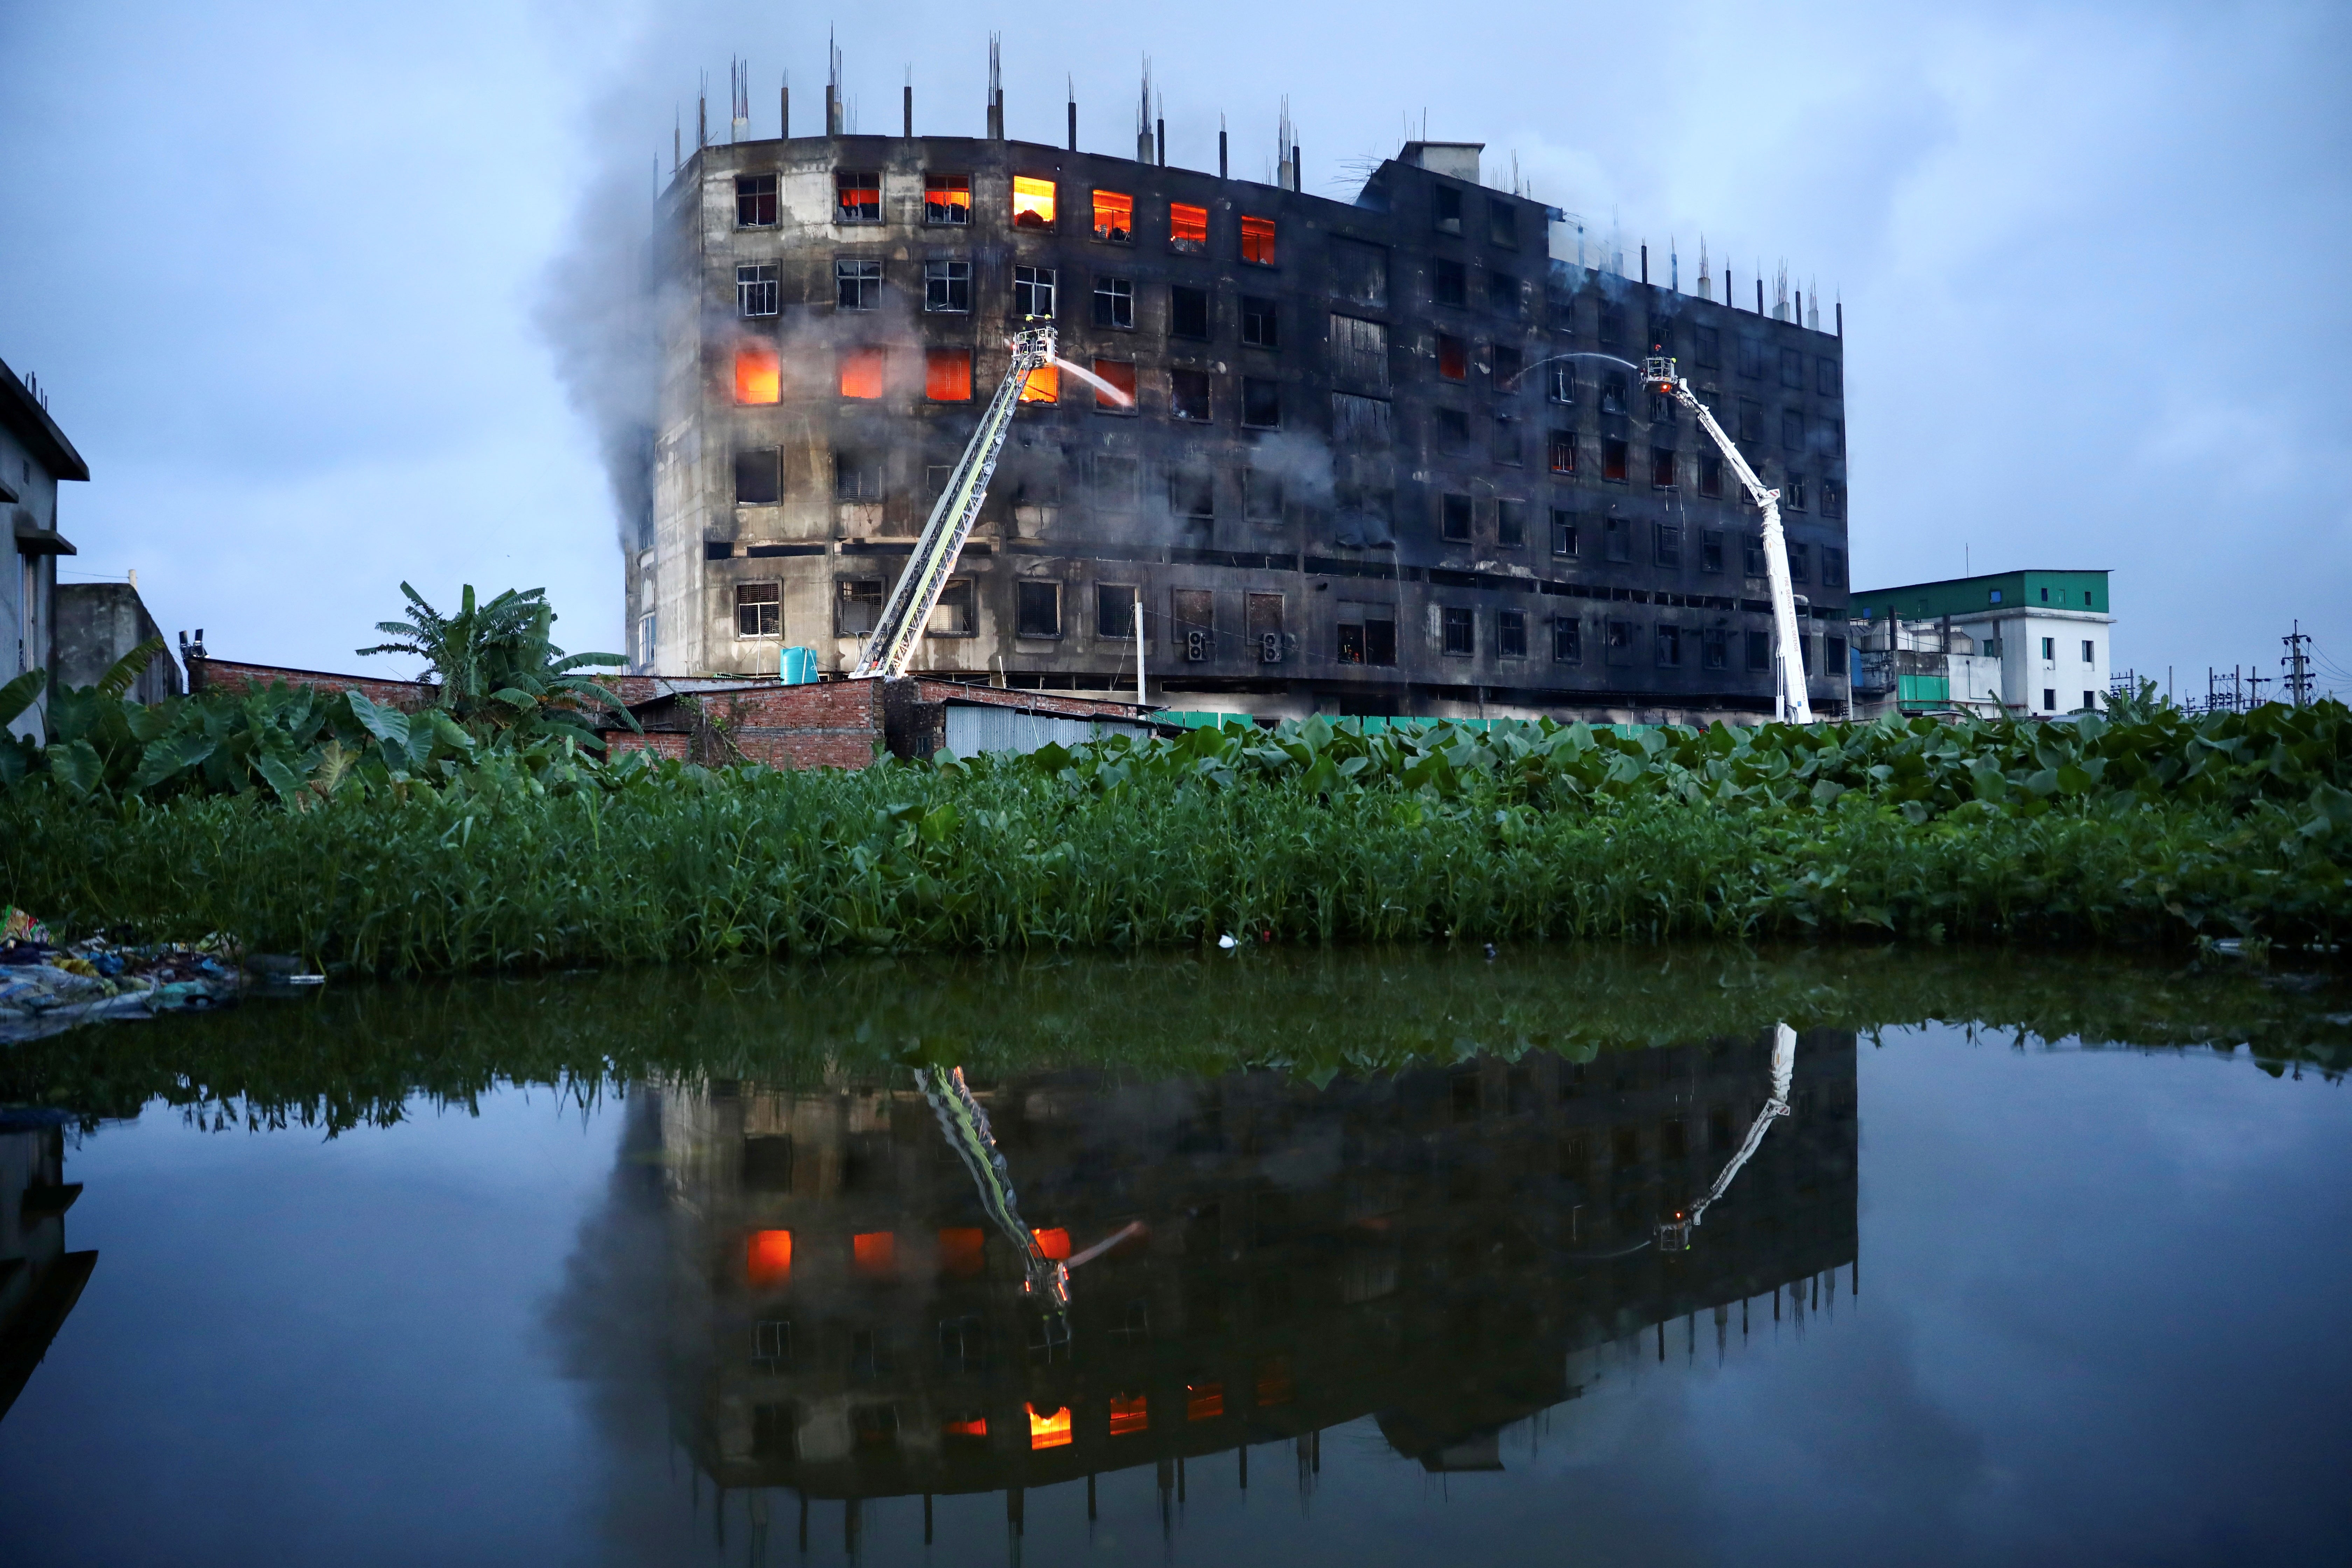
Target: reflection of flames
1051	1430
876	1253
757	373
1054	1244
1128	1414
1188	225
1114	216
1257	240
769	1257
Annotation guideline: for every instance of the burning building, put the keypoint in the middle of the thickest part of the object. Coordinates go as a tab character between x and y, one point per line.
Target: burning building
1382	456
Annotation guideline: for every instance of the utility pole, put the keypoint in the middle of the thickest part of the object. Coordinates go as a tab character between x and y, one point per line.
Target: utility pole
2298	665
2254	684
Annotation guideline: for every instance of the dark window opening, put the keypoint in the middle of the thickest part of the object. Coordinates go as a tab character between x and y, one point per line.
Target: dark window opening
1261	403
1503	294
1562	450
1612	460
857	195
1453	358
1618	644
856	476
1715	648
1751	358
1800	562
1510	523
947	286
1751	421
1115	302
755	478
1454	519
1260	326
1192	492
1825	377
1188	394
1460	629
1449	284
1037	609
1563	534
1710	476
1662	468
858	285
755	201
1187	312
1503	441
1453	429
1567	641
1792	368
1115	612
1759	650
1613	391
1560	386
1707	347
1666	544
1261	624
1502	222
1261	495
1367	634
1617	539
953	616
1511	634
1792	429
1833	571
1032	293
858	604
1446	201
1613	325
1710	551
1792	493
1507	368
1670	648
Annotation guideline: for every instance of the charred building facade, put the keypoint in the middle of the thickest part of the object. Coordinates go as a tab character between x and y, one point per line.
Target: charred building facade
1386	456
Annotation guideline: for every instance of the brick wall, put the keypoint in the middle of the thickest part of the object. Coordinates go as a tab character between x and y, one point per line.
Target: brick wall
206	674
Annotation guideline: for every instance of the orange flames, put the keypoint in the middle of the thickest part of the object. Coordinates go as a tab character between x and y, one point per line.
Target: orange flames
1043	386
1121	374
947	375
1257	240
1033	203
861	372
1114	216
1188	227
767	1259
757	373
875	1254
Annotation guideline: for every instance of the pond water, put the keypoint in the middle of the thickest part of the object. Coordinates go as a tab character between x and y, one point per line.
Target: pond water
1255	1258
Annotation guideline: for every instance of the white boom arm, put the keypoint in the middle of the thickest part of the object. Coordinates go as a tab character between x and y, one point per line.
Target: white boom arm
890	651
1676	1234
1788	659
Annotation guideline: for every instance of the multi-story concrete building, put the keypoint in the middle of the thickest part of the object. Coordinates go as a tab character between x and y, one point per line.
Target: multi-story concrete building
2027	643
1388	455
35	457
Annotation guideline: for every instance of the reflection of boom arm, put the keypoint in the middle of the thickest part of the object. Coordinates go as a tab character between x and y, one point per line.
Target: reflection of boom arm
1659	376
890	651
966	1125
1676	1234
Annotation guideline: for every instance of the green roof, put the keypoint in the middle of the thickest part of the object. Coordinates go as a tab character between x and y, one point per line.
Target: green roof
1975	595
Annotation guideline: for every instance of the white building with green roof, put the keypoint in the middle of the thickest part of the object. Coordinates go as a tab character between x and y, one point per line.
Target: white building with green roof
2048	631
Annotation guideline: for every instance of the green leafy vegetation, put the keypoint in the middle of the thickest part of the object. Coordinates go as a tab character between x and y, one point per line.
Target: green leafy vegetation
2157	831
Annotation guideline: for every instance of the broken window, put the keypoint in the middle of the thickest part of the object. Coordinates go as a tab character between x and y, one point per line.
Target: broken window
1359	353
1193	492
947	286
1359	272
1359	424
759	610
1710	476
757	373
1567	640
1710	550
1261	495
1560	384
856	195
1036	609
1833	499
1511	634
1033	203
1662	408
1714	648
1666	544
1825	377
1503	441
1033	293
1260	328
1502	222
755	290
1188	227
861	372
1188	394
1707	347
1615	390
858	285
1114	611
1454	519
1114	302
1262	622
1662	334
1118	480
1792	493
755	478
1261	403
1617	539
1563	534
1043	386
1367	633
1187	312
858	604
1792	430
1453	358
1561	452
1192	622
1453	429
1751	421
1670	648
1751	358
1458	627
1759	650
1800	562
1257	240
1448	283
947	198
1613	324
1503	294
755	201
1113	217
1446	204
1617	642
1508	364
1121	374
1510	523
1662	468
952	616
856	476
1751	557
1834	572
947	375
1612	460
1792	368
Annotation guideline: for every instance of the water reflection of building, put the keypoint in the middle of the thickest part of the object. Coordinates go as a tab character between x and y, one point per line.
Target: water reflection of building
1428	1248
39	1279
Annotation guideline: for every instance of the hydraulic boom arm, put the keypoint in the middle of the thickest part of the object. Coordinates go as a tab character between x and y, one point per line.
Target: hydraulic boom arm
1788	659
890	651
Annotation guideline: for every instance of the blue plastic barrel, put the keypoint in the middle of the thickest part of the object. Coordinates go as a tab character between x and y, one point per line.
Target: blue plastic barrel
800	666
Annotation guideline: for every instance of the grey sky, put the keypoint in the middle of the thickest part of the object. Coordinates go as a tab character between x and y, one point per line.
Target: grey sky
281	269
